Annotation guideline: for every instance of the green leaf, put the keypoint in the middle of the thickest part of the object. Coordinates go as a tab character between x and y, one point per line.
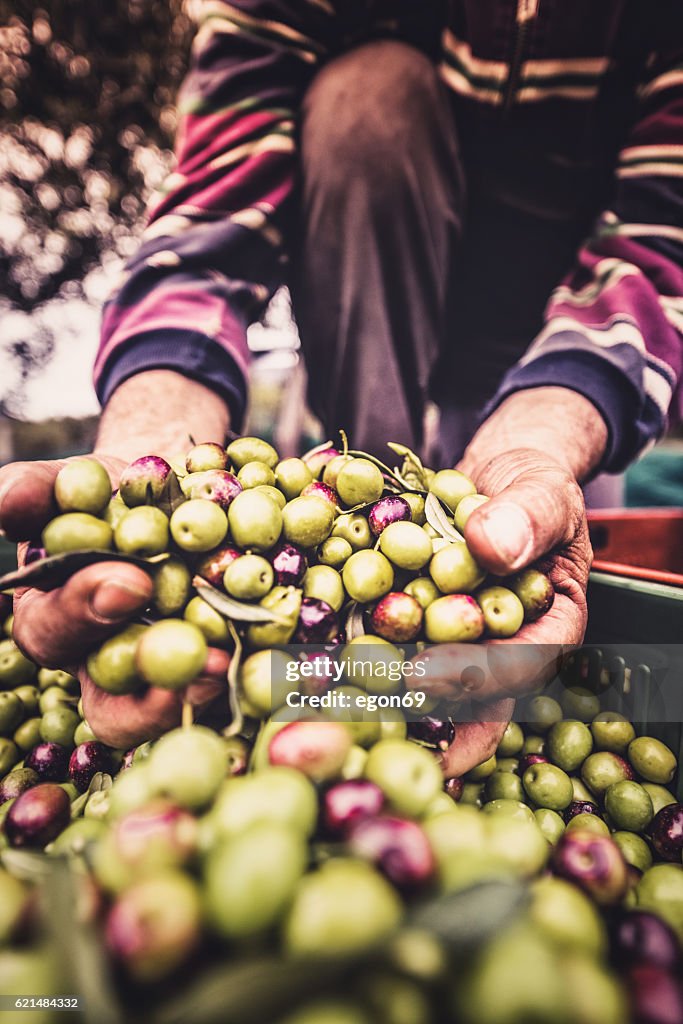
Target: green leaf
54	571
354	622
438	519
466	919
236	712
80	946
26	865
229	608
255	991
172	495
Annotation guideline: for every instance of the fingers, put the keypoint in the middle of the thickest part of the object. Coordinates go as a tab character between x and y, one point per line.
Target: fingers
26	498
126	721
55	628
477	740
542	509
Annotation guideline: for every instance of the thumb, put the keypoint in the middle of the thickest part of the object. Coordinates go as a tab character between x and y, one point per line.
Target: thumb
540	510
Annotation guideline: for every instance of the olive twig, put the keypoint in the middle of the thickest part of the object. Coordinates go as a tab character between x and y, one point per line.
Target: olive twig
237	715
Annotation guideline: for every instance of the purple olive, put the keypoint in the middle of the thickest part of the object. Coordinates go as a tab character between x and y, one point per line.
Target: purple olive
158	835
17	782
217	485
594	863
86	761
37	816
320	490
580	807
318	622
347	803
317	460
436	732
49	760
455	788
656	995
397	617
144	480
212	566
399	848
289	565
639	937
34	553
665	832
392	509
322	677
526	761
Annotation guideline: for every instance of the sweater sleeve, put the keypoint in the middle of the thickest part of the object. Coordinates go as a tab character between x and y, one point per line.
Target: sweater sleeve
613	327
212	251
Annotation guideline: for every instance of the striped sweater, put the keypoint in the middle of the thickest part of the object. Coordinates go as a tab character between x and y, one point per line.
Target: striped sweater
593	82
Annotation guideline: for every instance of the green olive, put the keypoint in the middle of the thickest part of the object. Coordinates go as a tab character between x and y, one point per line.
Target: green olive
455	571
359	482
354	528
423	589
255	521
542	713
274	493
325	584
171	653
634	849
451	486
12	712
629	806
466	507
652	759
57	677
142	531
291	476
9	755
199	525
213	626
502	610
172	586
611	731
569	744
285	603
249	578
511	742
334	551
59	726
406	545
256	474
251	449
579	702
417	507
83	485
307	520
113	667
29	697
76	531
27	736
367	576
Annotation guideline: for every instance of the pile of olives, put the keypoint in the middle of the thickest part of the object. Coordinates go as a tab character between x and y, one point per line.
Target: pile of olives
303	540
334	839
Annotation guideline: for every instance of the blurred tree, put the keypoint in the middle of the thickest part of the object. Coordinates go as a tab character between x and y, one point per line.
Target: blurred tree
87	89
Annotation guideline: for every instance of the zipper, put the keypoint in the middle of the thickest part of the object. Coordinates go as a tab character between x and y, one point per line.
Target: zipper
526	12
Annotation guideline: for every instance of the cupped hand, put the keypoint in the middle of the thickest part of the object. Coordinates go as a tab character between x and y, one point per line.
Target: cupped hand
58	628
536	514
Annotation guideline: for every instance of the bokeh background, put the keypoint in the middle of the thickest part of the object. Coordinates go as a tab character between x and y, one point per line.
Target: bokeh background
87	118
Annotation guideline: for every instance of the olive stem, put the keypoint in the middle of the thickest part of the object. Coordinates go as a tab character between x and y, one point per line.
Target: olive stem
187	720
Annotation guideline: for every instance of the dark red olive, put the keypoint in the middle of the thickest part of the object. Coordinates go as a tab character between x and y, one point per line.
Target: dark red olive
318	622
639	937
399	848
347	803
656	995
212	567
37	816
289	565
665	832
320	490
392	509
580	807
436	732
454	787
87	760
49	760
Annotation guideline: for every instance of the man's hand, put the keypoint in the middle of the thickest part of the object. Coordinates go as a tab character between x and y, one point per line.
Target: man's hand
60	627
527	458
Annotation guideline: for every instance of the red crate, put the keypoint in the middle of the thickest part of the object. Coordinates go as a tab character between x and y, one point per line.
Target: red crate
639	543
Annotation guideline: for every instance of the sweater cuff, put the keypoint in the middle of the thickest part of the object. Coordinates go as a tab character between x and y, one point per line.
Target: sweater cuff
189	352
632	422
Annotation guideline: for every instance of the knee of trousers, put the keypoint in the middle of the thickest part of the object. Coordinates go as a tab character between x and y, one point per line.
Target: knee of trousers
377	113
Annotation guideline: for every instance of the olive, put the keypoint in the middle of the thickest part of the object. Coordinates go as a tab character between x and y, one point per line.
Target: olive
251	449
451	486
112	667
255	521
367	576
406	545
205	618
359	481
249	578
75	531
171	653
652	759
82	485
200	525
454	570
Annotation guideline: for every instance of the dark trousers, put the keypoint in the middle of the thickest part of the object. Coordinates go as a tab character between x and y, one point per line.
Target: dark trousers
422	257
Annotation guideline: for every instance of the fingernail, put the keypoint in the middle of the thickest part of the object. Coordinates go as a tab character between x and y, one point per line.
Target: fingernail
510	533
115	600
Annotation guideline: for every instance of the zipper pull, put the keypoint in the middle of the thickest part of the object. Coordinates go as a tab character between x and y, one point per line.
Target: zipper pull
527	10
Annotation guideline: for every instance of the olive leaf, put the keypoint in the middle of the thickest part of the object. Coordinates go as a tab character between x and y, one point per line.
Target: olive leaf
78	805
171	496
80	947
318	448
438	519
55	570
470	917
229	608
26	865
412	465
354	622
236	712
254	991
